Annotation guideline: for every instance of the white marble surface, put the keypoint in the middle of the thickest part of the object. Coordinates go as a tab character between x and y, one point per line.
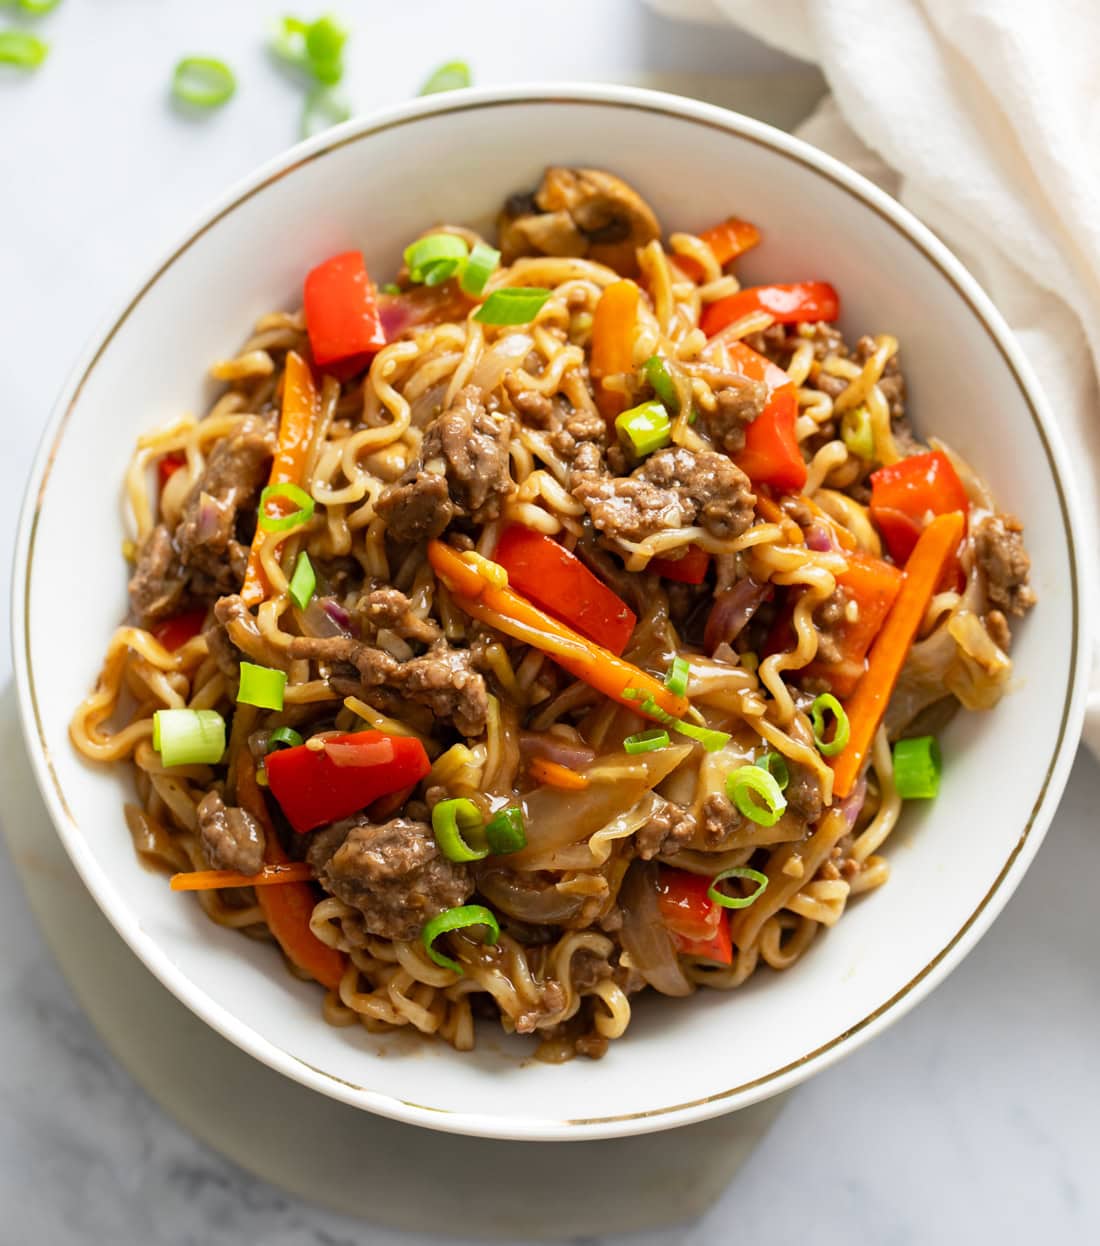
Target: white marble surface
974	1119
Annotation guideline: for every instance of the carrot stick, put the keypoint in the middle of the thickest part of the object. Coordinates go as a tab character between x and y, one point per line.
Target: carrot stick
515	616
866	706
295	433
269	876
287	909
613	326
727	240
553	774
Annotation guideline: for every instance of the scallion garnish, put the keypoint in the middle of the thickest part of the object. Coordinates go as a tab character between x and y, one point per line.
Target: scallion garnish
23	50
644	428
505	831
461	918
656	373
918	764
857	433
449	77
203	82
450	818
513	305
676	681
189	737
710	739
776	765
302	582
262	686
38	8
283	737
291	493
316	47
323	109
646	741
747	783
479	268
826	703
434	258
738	902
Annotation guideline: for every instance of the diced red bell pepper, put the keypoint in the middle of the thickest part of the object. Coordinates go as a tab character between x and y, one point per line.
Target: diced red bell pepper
690	568
557	580
175	632
168	466
698	926
342	314
786	304
770	455
315	786
906	495
727	240
718	949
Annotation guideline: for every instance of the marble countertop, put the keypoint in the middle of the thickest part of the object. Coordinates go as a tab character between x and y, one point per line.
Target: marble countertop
972	1119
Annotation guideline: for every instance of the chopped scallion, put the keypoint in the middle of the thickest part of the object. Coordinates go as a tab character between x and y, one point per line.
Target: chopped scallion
189	737
449	77
505	831
857	433
479	268
461	918
646	741
738	902
513	305
747	783
656	373
676	681
262	686
644	428
302	582
776	765
918	765
283	737
450	819
826	703
203	82
324	46
425	254
38	8
710	739
292	493
323	108
23	50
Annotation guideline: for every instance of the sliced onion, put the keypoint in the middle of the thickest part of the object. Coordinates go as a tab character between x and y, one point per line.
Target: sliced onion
324	618
506	355
524	897
554	748
644	935
732	610
819	539
854	802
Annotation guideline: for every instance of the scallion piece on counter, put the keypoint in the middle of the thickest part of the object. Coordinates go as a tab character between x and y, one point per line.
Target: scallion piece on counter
738	902
283	737
21	49
505	831
479	268
656	373
646	741
461	918
189	737
317	47
514	305
424	255
289	492
203	82
823	705
452	818
38	8
644	428
756	794
323	108
676	681
262	686
449	77
918	765
776	765
302	582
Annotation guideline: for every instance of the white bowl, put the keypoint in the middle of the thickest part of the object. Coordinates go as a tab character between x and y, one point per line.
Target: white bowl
370	184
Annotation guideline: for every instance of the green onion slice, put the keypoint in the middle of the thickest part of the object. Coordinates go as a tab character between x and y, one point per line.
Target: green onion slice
449	77
262	686
189	737
479	268
460	918
646	741
748	783
450	818
776	765
857	433
425	253
918	764
203	82
656	373
676	681
514	305
38	8
644	428
283	737
303	582
323	108
710	739
283	523
505	831
436	274
828	704
390	287
21	49
738	902
324	46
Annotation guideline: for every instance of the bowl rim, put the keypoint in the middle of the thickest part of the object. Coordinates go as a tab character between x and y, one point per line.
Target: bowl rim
538	1128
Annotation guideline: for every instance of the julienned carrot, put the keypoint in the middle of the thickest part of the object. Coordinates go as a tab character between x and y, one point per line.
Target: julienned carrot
867	704
287	909
269	876
727	240
613	327
296	426
513	615
553	774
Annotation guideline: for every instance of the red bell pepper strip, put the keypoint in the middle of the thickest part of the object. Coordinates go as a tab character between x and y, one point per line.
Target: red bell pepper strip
718	949
315	786
771	455
699	927
786	304
175	632
691	568
907	494
557	580
168	466
341	308
727	241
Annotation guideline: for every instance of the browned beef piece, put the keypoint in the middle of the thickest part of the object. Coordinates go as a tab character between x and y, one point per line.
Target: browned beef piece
207	537
375	666
587	968
670	827
720	819
674	488
158	586
579	437
394	874
772	343
417	507
224	652
233	839
892	382
998	543
803	792
390	608
736	407
997	626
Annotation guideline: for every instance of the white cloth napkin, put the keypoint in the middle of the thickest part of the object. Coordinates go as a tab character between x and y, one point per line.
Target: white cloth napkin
983	118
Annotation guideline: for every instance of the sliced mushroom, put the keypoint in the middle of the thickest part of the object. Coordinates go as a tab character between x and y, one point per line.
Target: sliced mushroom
578	212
